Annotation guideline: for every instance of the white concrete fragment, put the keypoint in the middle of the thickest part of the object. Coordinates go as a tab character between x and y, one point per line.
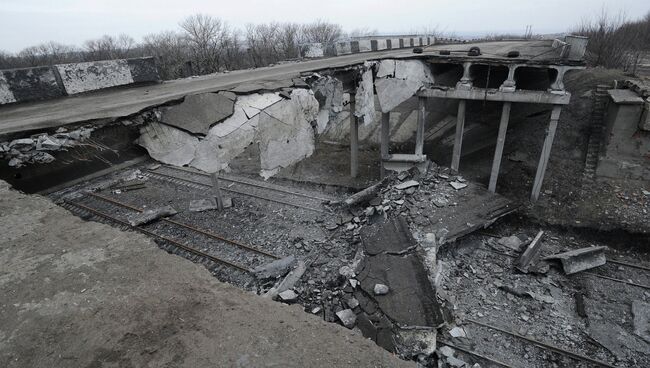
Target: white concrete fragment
215	152
457	332
288	296
347	317
407	184
381	289
365	99
167	144
413	69
457	185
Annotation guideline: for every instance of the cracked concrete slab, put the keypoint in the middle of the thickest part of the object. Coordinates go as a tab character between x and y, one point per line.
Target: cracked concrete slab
197	113
167	144
365	98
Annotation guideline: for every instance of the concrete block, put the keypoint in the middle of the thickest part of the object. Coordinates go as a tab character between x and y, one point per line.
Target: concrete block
6	96
378	45
31	84
312	50
364	45
343	48
394	43
90	76
144	70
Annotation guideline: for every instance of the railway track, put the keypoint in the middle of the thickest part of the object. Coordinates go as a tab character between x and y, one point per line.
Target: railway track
244	187
188	250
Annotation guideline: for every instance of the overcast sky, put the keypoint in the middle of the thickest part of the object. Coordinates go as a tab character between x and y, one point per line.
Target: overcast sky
29	22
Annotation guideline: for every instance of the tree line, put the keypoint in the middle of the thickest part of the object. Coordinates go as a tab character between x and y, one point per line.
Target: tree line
203	44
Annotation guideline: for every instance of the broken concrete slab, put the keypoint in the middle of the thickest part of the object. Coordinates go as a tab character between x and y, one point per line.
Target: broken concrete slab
413	69
580	259
391	236
347	317
197	113
615	339
391	92
457	332
289	281
386	68
288	296
411	300
641	319
530	255
277	268
457	185
150	215
381	289
407	184
365	98
167	144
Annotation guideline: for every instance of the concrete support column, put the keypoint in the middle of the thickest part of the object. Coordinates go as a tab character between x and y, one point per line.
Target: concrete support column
419	135
458	141
466	81
354	141
509	85
385	139
498	151
546	152
558	83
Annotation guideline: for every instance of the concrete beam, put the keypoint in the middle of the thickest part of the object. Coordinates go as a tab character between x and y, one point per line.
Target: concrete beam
354	142
482	94
546	153
458	140
385	139
498	151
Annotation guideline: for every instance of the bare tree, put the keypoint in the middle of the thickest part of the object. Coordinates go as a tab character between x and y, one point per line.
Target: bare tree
171	53
323	32
205	35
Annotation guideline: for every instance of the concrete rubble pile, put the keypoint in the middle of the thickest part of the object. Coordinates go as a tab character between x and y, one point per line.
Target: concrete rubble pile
38	148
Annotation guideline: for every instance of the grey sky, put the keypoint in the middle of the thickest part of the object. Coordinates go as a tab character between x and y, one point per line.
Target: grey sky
28	22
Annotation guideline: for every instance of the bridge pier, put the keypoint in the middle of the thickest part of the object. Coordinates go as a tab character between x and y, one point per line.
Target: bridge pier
354	141
458	140
546	152
498	151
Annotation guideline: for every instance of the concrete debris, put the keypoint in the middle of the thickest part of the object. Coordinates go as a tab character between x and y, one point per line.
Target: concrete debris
580	259
208	204
407	184
352	303
347	317
288	296
150	215
457	185
381	289
399	80
24	151
277	268
328	91
457	332
446	351
641	319
530	255
197	113
347	272
513	242
167	144
289	281
365	98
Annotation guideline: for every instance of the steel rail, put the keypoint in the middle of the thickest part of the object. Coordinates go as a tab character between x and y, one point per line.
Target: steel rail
153	174
543	344
249	183
152	234
187	226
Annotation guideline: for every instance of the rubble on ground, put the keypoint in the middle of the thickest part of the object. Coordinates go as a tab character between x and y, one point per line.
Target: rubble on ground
36	149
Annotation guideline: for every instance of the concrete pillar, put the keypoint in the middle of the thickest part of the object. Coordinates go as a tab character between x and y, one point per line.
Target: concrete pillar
558	83
354	141
498	151
458	141
419	135
385	139
466	81
546	153
509	85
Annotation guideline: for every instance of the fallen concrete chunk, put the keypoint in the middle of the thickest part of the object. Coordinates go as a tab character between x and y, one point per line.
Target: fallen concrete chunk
392	92
580	259
513	242
197	113
407	184
347	317
289	281
530	254
168	144
352	303
288	296
457	185
641	314
276	268
381	289
150	215
208	204
455	362
457	332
